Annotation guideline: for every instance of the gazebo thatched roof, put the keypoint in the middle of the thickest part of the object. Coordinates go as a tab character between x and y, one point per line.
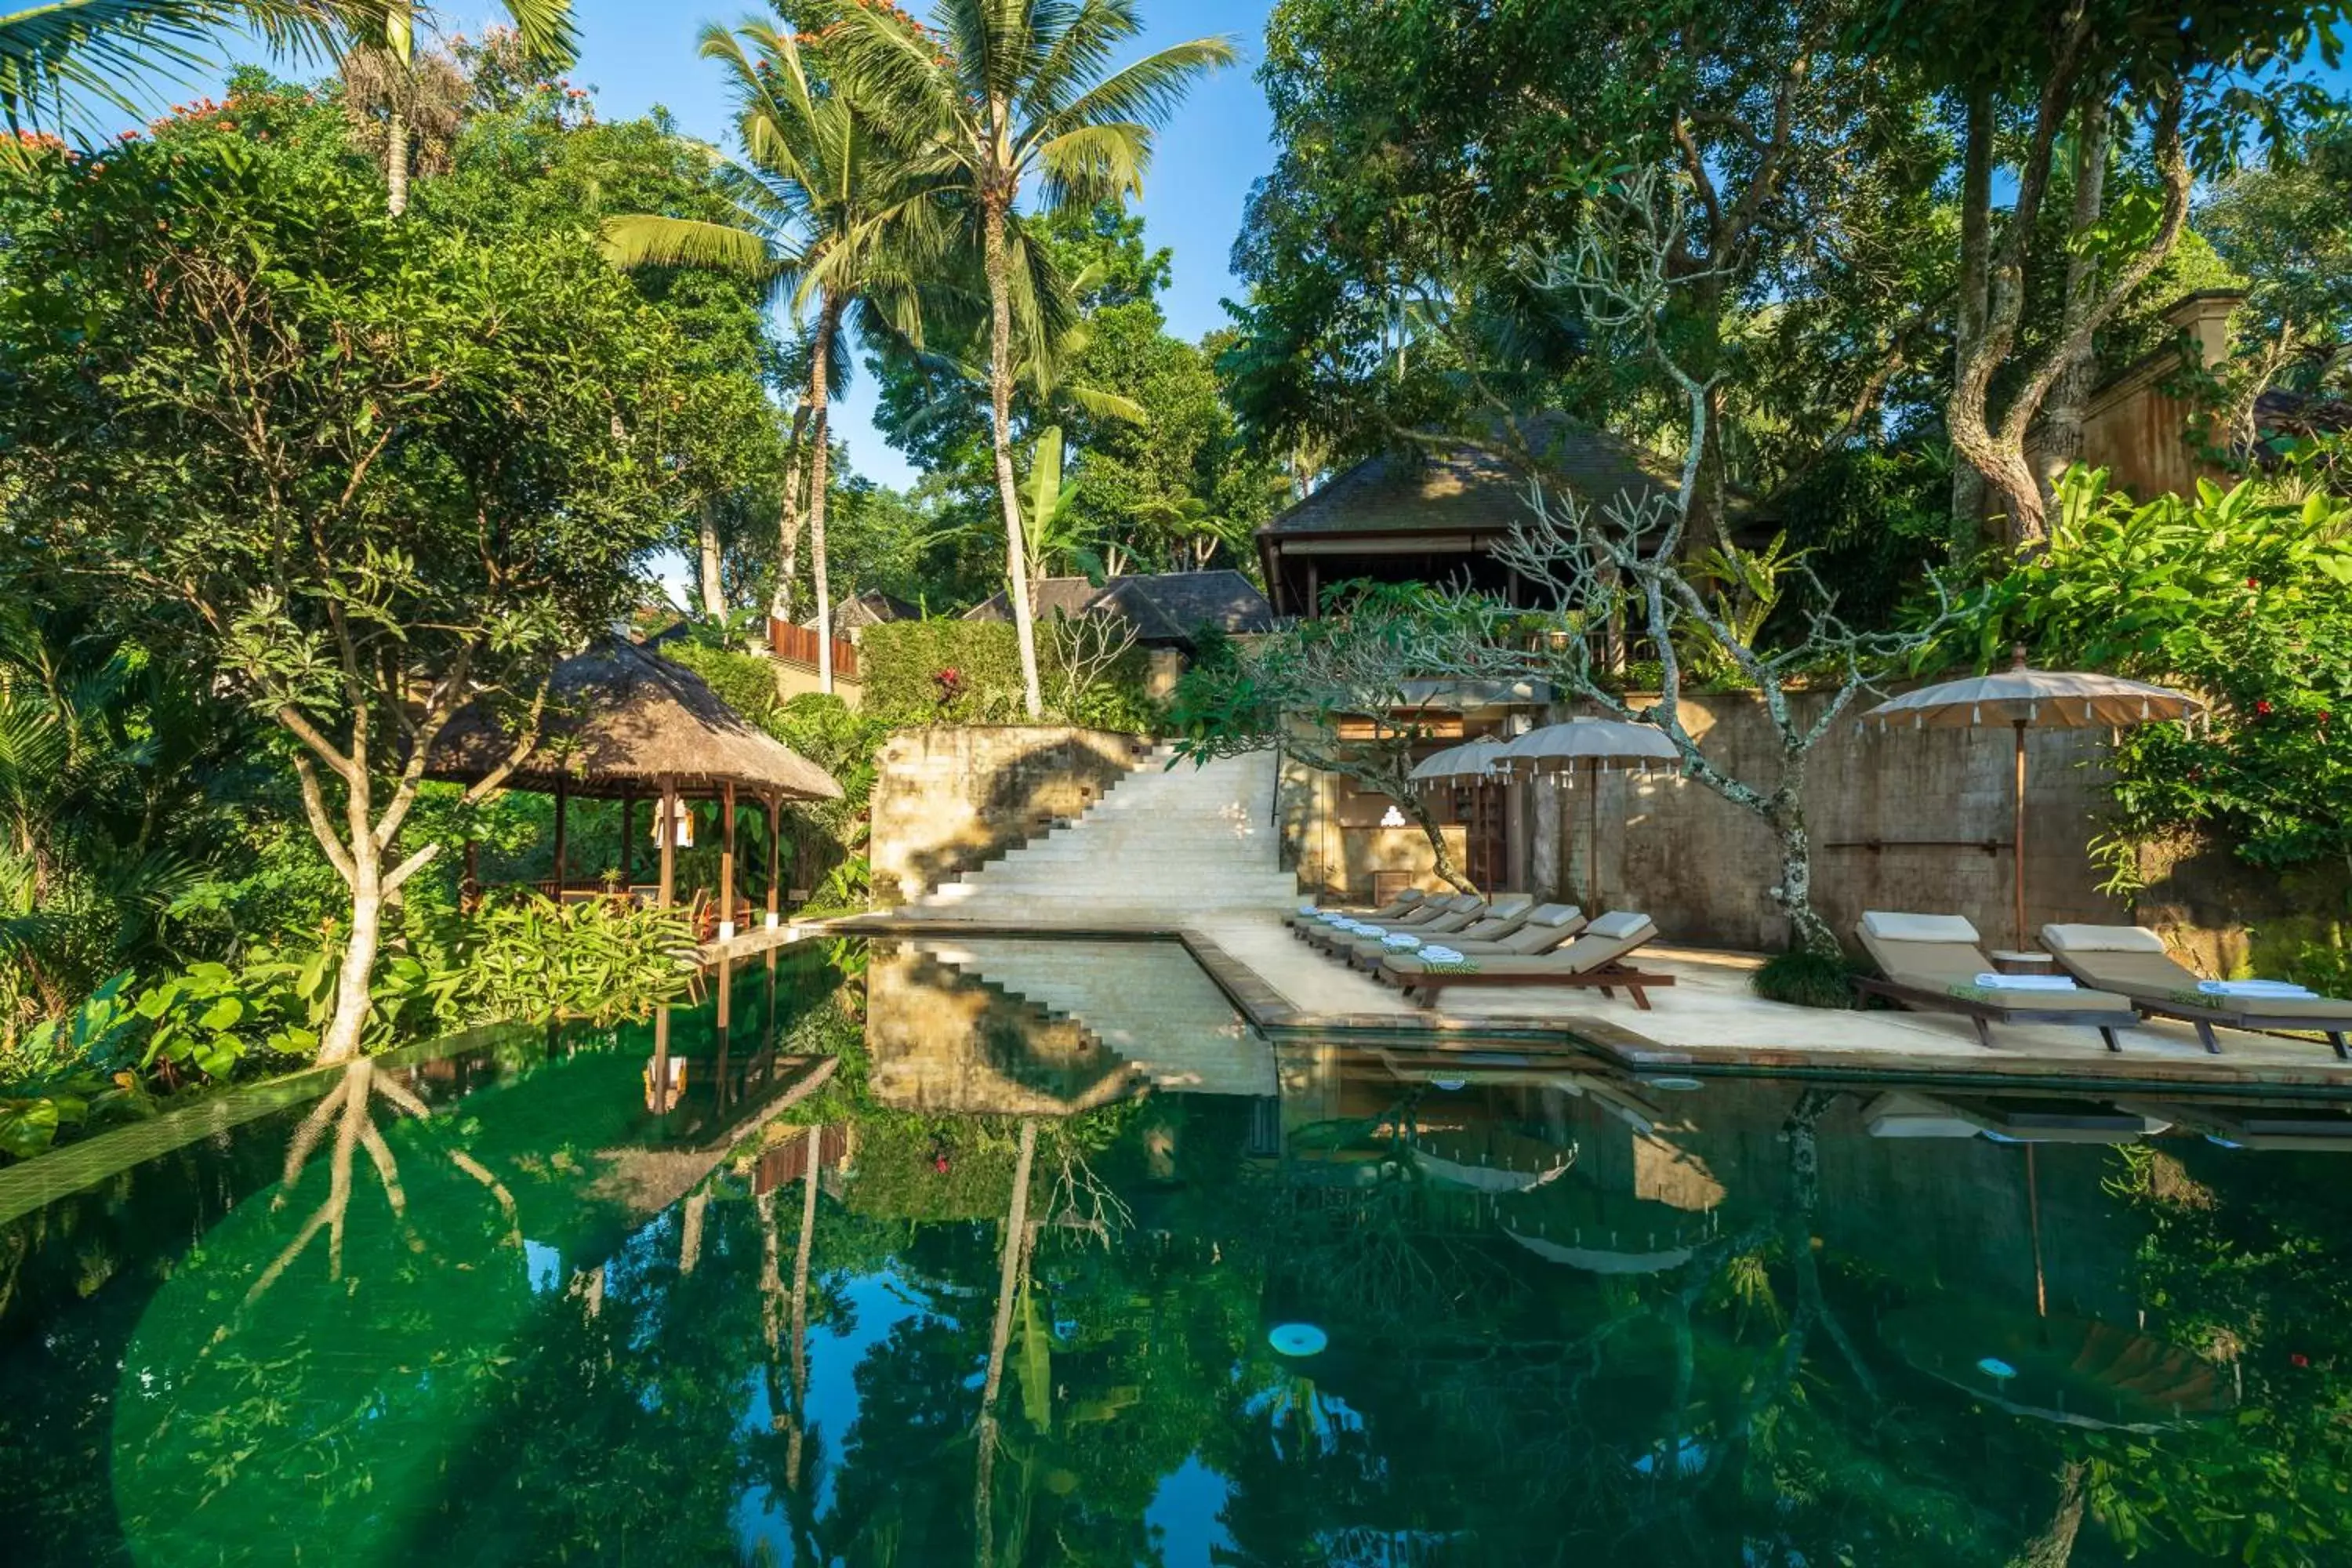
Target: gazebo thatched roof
620	721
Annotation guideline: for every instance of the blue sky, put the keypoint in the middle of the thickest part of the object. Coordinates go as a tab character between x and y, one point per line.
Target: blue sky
637	54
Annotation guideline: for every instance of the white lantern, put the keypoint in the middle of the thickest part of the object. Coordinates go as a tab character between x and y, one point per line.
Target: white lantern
684	827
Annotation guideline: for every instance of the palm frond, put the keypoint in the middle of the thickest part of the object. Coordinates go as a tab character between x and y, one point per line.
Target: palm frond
59	60
1144	92
546	29
648	239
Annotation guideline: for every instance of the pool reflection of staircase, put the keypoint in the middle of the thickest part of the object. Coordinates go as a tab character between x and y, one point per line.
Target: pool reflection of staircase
1146	1001
1164	843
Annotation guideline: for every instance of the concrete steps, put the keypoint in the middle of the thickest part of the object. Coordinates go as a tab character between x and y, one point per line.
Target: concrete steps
1160	845
1147	1002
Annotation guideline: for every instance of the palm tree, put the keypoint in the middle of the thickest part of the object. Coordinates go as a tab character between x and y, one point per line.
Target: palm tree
547	35
66	52
830	210
1010	90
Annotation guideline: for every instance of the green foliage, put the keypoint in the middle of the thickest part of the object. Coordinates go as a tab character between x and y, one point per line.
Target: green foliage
2235	595
1805	979
943	671
526	958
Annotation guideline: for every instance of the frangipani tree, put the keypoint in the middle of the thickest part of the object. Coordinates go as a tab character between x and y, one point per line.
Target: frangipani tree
365	471
1014	93
834	214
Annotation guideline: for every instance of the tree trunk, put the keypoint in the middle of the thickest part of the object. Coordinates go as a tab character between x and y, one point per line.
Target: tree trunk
1000	408
1976	255
2054	1547
395	161
828	321
714	588
341	1042
2070	395
1808	931
1441	857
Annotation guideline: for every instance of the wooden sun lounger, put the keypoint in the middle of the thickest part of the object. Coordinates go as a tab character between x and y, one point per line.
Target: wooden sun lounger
1591	962
1607	978
1939	952
1984	1015
2133	961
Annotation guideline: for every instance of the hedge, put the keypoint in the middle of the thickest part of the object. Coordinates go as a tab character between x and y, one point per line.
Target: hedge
968	672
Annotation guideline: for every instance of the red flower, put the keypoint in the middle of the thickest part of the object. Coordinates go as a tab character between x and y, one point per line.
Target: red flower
2262	709
2253	582
2298	1359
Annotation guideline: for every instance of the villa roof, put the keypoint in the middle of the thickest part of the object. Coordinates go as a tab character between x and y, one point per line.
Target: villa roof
1166	608
871	608
621	720
1458	488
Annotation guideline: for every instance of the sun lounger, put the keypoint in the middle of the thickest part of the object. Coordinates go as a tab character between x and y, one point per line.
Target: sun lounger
1592	960
2132	962
1933	965
1531	935
1505	914
1434	915
1403	904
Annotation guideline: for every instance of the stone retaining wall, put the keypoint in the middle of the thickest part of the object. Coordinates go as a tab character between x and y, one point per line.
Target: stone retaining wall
950	797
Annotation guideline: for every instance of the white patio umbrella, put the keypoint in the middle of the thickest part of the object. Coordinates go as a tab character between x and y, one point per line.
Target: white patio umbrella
2024	697
1594	745
1481	760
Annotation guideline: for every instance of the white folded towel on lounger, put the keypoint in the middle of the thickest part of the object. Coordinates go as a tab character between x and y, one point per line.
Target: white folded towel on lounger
1436	954
2282	988
1365	928
1400	940
1309	909
2025	982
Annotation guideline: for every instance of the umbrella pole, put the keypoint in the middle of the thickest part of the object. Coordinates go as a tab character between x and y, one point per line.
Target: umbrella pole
2016	836
1592	837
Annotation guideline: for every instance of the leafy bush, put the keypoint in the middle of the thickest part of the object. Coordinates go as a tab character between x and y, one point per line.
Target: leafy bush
2237	594
527	959
968	672
744	681
523	959
1808	980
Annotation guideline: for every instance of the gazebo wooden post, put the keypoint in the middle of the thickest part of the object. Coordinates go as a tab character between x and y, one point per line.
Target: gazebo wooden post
628	823
775	850
563	799
669	820
660	1106
727	856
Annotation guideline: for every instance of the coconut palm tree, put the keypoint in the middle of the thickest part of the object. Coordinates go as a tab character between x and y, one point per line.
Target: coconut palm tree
831	212
547	35
1012	92
65	53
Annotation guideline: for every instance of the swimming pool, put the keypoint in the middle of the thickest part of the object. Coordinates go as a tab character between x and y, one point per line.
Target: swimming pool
1008	1252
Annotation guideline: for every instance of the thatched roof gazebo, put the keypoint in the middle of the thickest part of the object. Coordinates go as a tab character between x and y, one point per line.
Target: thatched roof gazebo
622	723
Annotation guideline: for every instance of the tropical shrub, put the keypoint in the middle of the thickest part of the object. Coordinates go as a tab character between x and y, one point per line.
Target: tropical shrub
2237	594
968	672
1805	979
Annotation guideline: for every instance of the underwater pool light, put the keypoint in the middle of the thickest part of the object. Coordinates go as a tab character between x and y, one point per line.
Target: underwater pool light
1993	1366
1298	1338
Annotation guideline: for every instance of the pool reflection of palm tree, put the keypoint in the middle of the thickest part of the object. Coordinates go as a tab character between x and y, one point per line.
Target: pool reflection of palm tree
786	1313
1012	1266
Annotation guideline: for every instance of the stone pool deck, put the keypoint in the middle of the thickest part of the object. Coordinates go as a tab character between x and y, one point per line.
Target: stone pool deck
1708	1022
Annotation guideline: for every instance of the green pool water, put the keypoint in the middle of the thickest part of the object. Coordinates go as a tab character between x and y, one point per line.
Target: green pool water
941	1253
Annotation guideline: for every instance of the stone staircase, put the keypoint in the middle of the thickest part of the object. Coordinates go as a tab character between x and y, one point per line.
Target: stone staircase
1162	846
1147	1002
